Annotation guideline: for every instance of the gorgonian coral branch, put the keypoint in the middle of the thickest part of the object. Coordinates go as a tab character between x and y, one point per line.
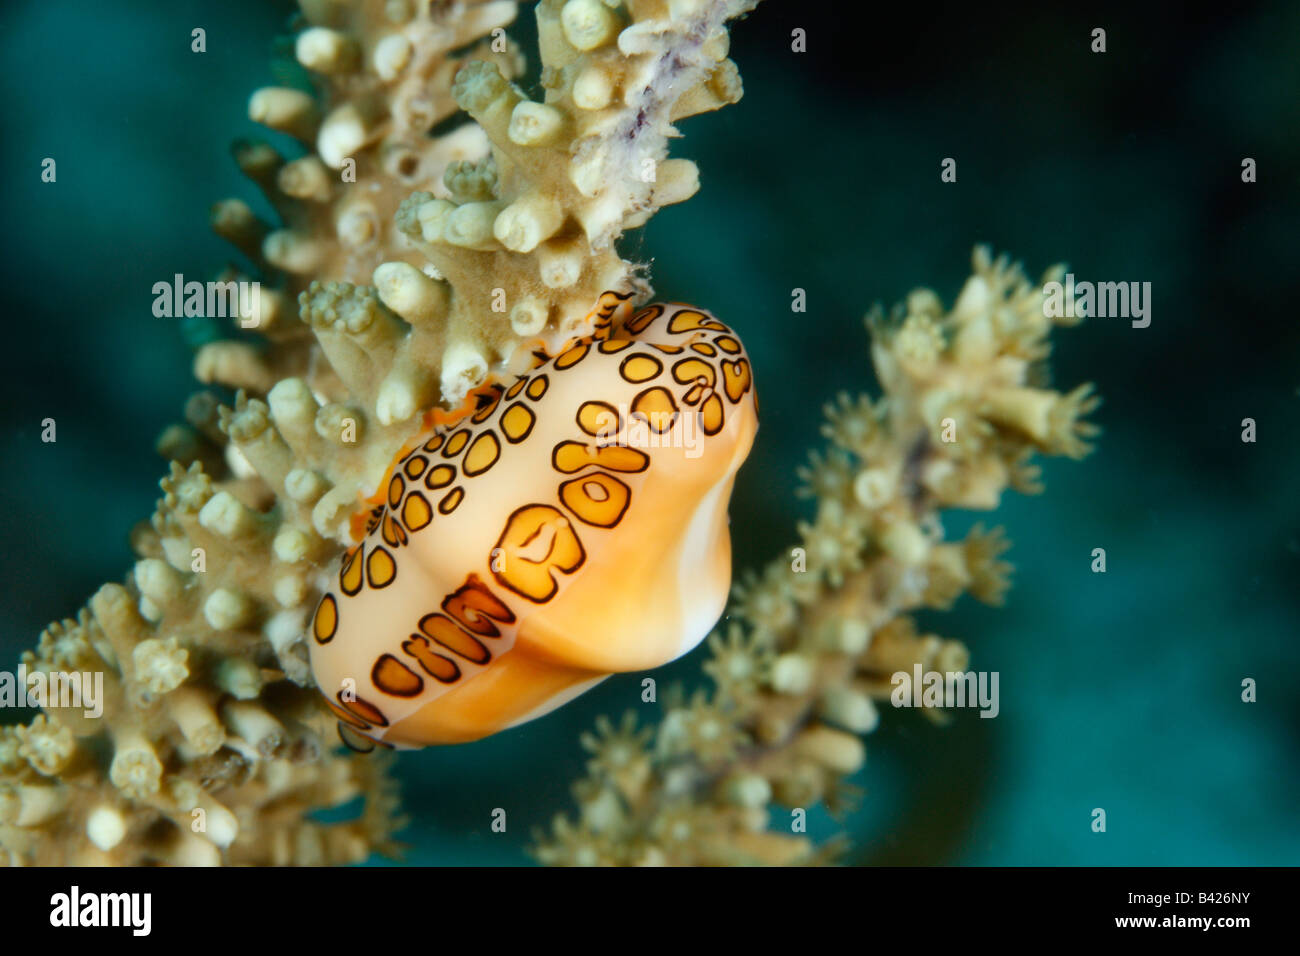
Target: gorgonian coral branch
405	268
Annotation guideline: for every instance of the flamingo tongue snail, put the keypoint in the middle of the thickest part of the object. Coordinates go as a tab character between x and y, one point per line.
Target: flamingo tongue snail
567	524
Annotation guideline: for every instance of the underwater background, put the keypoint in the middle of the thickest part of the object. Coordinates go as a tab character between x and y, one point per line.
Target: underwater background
1119	690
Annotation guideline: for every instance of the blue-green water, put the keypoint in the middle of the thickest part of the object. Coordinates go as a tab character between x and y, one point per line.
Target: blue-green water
1119	691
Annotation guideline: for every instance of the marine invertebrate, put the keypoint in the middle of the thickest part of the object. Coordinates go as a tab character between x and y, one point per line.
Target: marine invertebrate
564	526
419	264
816	638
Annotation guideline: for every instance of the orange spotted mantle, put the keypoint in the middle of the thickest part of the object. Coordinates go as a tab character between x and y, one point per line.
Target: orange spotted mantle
562	527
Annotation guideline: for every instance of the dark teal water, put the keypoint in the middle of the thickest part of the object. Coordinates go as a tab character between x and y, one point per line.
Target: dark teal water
1118	691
